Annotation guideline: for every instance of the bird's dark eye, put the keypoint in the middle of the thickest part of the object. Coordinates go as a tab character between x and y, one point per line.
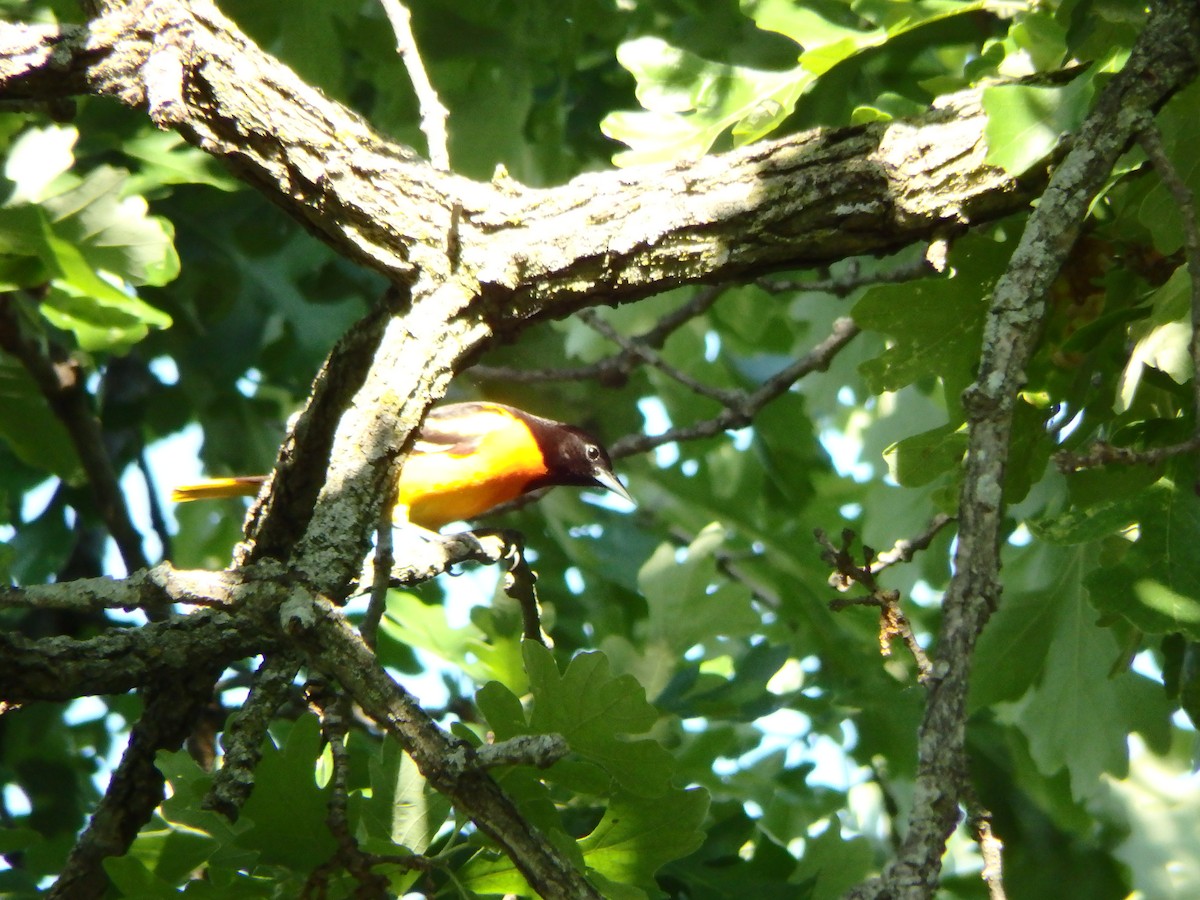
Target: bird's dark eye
593	452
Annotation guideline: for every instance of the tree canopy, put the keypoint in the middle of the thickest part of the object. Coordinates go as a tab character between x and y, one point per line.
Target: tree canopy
885	310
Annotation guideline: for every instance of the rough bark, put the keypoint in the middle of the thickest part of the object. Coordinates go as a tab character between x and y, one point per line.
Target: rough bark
471	261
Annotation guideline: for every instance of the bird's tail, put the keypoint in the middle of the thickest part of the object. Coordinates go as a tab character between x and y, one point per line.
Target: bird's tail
216	488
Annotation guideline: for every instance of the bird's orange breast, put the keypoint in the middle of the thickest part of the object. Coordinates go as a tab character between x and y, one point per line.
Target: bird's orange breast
440	487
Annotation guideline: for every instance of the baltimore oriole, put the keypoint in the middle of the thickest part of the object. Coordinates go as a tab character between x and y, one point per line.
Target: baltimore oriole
469	458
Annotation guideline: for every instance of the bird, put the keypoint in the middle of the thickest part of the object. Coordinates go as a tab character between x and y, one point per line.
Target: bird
469	458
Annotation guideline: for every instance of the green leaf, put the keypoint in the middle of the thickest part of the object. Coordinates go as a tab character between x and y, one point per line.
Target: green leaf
1073	718
112	230
690	102
1012	649
1025	123
826	42
935	324
482	657
27	425
287	807
1039	39
1083	524
833	865
36	159
1163	341
172	854
638	835
1155	584
690	601
102	316
1154	811
597	713
919	459
1188	683
13	840
189	785
167	159
1180	129
502	709
402	808
133	879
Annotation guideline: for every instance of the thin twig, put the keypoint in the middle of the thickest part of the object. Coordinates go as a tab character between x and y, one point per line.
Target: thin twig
749	403
850	281
728	564
433	111
520	584
384	560
1103	453
613	369
158	521
1151	141
333	706
653	358
892	621
906	548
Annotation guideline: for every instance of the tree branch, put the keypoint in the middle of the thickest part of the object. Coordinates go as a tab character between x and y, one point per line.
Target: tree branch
245	731
136	788
450	765
739	414
1164	59
602	238
61	668
433	111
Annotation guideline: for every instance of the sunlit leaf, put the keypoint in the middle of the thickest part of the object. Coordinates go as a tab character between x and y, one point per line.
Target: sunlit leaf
1026	122
638	835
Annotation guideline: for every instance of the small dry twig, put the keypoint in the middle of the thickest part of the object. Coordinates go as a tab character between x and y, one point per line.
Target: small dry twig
892	621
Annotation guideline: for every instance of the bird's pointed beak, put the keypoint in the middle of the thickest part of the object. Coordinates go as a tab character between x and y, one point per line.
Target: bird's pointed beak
609	480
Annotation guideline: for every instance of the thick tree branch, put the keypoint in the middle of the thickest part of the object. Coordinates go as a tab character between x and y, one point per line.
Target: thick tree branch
603	237
61	668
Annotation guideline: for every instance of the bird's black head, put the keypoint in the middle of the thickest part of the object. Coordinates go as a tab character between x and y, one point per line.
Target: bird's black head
574	457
